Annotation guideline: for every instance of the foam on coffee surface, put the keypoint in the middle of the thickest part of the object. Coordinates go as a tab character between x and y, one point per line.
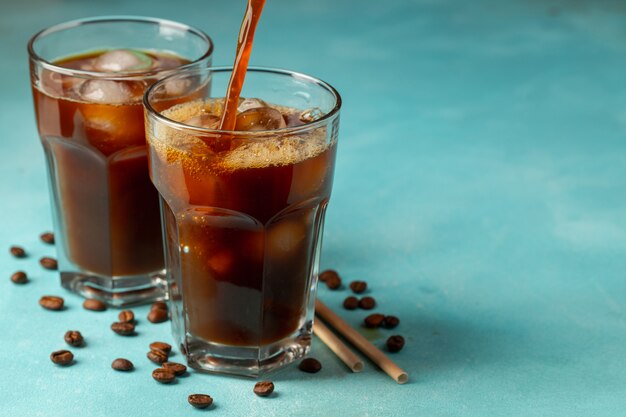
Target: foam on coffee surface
282	149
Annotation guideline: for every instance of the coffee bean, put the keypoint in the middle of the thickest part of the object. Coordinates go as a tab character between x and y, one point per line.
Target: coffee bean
157	315
333	283
328	274
164	376
47	237
395	343
331	278
161	305
178	368
126	316
49	263
264	388
310	365
94	305
350	303
123	329
390	322
367	303
200	400
358	286
121	364
51	302
62	357
17	251
374	320
74	338
162	346
157	356
19	277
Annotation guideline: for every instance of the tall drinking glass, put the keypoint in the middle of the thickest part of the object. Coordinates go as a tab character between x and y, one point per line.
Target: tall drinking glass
243	212
88	78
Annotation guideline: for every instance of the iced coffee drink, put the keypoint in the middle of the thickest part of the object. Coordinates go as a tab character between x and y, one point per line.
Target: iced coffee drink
243	213
88	80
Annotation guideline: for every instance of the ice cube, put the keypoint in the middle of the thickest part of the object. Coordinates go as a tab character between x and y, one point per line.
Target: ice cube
311	115
221	262
309	177
176	87
250	103
163	62
111	92
207	121
123	60
260	118
285	237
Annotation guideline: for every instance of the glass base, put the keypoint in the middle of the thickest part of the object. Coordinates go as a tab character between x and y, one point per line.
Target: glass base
117	291
250	361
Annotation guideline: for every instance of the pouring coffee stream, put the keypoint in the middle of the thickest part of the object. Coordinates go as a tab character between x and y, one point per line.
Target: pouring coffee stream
244	49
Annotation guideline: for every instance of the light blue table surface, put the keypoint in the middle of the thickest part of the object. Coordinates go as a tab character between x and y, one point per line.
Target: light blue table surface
480	190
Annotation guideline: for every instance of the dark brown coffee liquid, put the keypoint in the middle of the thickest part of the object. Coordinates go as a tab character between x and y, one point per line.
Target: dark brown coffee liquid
110	222
243	231
242	57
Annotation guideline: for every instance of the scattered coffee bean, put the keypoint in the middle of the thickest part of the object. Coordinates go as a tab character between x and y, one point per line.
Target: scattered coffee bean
395	343
157	356
374	320
310	365
157	315
51	302
164	376
94	305
123	329
126	316
74	338
178	368
19	277
367	303
328	274
390	322
264	388
17	251
200	400
162	346
161	305
47	237
62	357
333	282
350	303
121	364
331	278
48	263
358	286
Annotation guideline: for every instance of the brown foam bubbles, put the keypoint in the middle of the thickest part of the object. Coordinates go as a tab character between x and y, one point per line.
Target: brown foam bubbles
239	151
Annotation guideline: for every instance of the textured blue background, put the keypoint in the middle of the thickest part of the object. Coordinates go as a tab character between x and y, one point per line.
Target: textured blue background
480	190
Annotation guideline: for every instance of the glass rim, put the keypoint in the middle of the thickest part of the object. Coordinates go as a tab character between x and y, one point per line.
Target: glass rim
70	24
249	134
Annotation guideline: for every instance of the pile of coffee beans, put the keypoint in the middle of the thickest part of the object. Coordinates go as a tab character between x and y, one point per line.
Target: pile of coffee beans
21	277
158	313
332	279
159	352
